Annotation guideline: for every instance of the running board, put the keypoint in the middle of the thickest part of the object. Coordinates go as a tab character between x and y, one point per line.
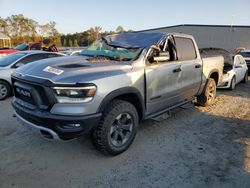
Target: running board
167	113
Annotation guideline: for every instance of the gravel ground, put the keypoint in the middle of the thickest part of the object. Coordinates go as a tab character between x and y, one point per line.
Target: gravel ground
197	147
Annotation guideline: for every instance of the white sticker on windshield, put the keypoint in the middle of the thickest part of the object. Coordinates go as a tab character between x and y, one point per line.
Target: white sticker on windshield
53	70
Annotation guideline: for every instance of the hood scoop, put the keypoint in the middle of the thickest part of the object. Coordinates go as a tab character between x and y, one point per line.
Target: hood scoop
71	66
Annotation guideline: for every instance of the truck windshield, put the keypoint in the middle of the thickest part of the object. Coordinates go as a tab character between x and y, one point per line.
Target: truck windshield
245	54
9	59
22	47
101	49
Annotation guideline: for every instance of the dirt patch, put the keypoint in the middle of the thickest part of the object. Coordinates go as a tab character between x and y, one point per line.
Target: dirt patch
197	147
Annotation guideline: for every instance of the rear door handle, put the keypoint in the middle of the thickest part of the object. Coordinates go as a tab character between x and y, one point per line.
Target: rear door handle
197	66
177	69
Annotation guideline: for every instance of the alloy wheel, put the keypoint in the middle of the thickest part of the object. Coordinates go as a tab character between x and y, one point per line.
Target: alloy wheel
121	129
3	91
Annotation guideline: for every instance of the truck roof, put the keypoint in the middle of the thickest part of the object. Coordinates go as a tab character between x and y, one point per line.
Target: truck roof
181	35
139	39
134	39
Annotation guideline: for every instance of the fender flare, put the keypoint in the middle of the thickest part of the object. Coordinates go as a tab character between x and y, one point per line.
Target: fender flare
122	91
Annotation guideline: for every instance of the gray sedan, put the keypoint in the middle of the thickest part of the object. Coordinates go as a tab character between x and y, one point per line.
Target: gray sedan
10	63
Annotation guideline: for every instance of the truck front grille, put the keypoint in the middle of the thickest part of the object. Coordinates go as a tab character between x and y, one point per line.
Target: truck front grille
32	94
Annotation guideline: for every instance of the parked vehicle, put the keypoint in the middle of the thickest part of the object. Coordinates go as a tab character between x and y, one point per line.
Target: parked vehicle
246	55
118	81
10	63
234	73
22	47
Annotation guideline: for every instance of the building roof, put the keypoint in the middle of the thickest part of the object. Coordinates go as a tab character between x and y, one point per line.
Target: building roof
2	36
199	25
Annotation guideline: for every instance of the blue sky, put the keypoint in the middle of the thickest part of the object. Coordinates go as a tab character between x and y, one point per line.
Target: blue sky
78	15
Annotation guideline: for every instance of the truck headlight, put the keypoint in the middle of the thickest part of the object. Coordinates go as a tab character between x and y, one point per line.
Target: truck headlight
74	94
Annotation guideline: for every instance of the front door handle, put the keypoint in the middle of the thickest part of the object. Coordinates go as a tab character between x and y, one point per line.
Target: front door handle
198	66
177	69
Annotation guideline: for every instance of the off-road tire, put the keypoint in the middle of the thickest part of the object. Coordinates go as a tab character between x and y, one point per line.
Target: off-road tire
5	90
207	97
101	136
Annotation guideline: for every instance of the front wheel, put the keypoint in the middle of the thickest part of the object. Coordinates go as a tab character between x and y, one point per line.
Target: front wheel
117	128
207	97
5	90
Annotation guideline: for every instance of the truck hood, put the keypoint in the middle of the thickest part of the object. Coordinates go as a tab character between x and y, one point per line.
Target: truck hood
74	69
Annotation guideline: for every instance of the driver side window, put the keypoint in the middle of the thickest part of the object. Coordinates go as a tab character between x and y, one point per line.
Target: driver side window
163	53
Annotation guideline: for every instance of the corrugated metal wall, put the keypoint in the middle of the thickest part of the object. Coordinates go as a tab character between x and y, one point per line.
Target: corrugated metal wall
226	37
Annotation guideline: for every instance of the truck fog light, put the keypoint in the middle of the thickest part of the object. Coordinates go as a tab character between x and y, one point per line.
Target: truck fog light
71	126
74	125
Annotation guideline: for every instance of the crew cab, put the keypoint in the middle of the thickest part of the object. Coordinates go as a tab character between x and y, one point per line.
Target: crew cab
117	81
22	47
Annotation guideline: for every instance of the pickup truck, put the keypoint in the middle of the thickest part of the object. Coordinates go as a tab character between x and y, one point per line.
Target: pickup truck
117	81
22	47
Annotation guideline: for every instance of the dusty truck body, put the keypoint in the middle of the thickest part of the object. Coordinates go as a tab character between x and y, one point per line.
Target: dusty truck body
118	81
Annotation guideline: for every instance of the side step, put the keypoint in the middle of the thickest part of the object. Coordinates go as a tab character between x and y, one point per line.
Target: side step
167	113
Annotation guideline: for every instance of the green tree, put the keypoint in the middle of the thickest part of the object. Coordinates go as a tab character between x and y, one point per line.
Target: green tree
94	33
4	26
120	29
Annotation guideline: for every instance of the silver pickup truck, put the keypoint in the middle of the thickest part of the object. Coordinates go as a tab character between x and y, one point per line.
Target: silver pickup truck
114	84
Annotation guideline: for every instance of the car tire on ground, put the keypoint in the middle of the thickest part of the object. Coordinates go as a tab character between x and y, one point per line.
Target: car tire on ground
233	83
117	128
207	97
5	90
245	78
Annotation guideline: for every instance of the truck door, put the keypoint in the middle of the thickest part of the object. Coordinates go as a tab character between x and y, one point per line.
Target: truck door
162	77
191	67
239	68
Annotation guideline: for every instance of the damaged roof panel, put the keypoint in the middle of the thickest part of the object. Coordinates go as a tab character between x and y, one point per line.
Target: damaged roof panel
134	40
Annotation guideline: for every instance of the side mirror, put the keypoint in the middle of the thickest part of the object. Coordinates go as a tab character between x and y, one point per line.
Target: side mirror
18	65
162	57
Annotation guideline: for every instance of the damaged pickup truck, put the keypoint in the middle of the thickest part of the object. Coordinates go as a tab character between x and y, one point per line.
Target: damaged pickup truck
116	82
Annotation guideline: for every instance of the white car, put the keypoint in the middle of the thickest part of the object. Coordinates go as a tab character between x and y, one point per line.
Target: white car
246	55
234	73
9	63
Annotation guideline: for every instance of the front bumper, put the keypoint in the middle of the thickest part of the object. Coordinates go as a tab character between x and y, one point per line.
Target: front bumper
226	82
63	127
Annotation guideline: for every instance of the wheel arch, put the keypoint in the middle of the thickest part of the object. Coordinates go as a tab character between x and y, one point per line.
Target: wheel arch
129	94
214	75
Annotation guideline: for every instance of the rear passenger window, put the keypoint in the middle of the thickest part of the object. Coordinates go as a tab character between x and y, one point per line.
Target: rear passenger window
185	49
31	58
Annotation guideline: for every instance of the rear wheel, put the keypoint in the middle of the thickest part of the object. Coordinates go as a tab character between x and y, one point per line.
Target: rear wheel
233	83
117	128
207	97
5	90
245	78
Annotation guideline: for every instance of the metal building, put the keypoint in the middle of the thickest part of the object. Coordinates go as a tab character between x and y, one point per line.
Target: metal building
217	36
